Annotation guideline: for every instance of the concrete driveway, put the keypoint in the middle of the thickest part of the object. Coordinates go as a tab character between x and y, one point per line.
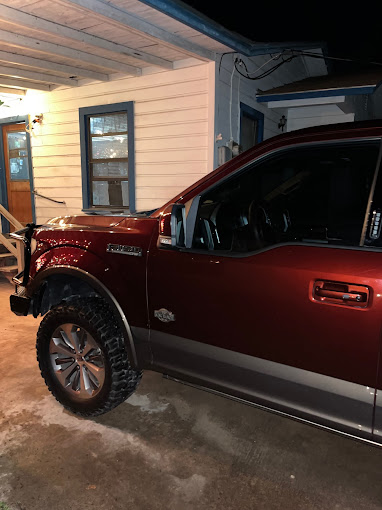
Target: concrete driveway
168	447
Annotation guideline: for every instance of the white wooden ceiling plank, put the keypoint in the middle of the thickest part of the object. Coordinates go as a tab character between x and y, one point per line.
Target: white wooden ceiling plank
21	41
71	43
209	43
120	34
51	67
55	59
165	52
22	19
122	17
15	72
24	84
8	90
53	12
22	3
133	7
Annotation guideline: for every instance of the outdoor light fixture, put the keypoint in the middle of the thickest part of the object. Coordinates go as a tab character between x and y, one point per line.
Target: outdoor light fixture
282	123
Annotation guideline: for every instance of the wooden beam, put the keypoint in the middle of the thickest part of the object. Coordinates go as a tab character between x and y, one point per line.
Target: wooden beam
23	84
7	90
20	18
15	58
15	72
21	41
108	12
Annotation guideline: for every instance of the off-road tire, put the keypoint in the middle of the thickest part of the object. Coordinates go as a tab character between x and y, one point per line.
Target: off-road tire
96	316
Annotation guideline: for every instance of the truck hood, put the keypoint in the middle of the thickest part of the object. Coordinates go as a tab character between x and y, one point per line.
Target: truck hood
86	221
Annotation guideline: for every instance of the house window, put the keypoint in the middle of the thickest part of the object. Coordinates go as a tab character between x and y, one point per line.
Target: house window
107	157
251	127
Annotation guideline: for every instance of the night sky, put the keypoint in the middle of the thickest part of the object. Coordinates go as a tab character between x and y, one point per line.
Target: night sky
350	29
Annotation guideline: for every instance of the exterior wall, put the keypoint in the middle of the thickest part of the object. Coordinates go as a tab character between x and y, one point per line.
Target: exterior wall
173	127
309	116
367	106
228	98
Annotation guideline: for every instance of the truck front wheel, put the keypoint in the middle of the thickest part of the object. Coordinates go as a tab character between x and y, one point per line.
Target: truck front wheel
82	357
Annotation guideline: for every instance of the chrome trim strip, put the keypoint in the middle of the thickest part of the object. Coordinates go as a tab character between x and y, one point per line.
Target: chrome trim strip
274	411
128	335
287	388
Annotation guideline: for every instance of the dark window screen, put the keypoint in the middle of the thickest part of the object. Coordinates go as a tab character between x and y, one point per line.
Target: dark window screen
248	132
316	195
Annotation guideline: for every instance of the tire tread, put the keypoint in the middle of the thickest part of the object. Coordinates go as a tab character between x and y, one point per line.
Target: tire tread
95	311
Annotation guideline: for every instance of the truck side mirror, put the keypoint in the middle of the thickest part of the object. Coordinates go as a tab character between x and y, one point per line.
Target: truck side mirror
172	226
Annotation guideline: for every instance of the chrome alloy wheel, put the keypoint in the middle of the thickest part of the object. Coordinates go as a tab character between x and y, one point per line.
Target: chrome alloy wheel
77	361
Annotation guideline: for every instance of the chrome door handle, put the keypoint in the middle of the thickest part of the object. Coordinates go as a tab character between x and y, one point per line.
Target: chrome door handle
341	293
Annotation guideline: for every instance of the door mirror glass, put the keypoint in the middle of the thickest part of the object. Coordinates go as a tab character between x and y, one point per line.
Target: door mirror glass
172	227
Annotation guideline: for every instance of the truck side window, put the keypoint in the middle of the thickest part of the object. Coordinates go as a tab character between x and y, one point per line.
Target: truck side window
312	195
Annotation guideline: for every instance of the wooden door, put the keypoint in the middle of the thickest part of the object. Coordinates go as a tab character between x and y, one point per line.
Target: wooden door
17	172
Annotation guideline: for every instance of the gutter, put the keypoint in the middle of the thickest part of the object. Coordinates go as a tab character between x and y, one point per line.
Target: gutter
238	43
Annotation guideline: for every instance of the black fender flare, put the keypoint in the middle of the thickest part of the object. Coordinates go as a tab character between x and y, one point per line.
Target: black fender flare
36	288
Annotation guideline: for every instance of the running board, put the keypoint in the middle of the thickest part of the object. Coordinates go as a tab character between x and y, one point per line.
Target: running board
271	410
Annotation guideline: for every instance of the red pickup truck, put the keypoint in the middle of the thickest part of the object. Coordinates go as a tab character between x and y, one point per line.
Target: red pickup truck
261	282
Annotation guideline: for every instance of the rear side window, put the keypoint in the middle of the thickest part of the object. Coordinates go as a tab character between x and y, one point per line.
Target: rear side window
316	195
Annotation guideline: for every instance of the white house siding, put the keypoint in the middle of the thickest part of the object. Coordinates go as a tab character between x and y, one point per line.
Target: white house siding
244	90
173	127
320	115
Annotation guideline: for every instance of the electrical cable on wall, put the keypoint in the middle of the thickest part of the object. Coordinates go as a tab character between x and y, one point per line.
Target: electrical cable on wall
230	102
292	55
265	73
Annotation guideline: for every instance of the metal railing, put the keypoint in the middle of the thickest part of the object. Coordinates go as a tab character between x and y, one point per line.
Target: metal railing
18	250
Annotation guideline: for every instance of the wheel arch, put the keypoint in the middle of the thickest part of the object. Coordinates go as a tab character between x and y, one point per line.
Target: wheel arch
61	283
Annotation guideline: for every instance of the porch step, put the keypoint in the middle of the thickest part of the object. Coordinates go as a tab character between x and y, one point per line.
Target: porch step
3	250
8	269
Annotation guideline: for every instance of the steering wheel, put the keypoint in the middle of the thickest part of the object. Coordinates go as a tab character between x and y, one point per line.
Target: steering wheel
260	223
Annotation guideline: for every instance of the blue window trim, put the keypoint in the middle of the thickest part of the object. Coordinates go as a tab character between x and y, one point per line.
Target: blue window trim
84	113
19	119
354	91
248	111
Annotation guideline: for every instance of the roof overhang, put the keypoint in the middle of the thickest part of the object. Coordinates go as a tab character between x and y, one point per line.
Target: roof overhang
327	89
350	91
196	20
67	43
297	98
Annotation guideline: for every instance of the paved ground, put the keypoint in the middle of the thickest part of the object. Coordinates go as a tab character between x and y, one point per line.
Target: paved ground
169	447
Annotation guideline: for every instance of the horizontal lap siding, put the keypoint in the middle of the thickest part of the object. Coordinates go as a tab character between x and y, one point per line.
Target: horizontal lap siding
244	90
171	137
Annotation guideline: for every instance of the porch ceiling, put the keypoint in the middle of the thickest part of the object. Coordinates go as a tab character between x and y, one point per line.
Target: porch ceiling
49	43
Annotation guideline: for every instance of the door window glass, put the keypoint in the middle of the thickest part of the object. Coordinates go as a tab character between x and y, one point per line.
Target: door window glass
18	156
316	195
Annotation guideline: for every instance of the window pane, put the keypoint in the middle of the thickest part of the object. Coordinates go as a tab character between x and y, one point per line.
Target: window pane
314	195
111	123
17	140
110	169
110	193
109	147
19	169
18	160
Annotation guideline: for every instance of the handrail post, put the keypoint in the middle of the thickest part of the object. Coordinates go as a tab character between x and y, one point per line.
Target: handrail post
17	251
